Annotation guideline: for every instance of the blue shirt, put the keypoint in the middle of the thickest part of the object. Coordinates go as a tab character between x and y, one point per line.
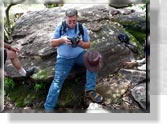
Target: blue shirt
67	51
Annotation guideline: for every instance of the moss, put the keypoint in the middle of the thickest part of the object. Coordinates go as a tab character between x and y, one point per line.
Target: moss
132	27
41	75
71	93
126	23
67	97
21	96
29	98
25	94
34	94
140	36
136	42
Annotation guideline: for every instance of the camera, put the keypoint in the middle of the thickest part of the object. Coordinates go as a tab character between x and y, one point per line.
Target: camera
74	41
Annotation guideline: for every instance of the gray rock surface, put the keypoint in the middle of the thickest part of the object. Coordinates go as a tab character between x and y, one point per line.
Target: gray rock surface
138	80
139	94
32	34
33	31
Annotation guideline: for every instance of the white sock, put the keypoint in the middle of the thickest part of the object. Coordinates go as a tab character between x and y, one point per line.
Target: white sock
22	71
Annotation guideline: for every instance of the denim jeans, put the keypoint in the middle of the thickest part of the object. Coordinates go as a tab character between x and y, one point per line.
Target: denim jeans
62	68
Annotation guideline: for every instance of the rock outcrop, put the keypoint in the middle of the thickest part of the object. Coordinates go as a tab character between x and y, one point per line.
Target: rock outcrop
32	34
33	31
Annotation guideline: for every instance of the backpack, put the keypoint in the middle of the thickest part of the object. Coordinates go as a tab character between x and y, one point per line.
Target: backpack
64	26
124	38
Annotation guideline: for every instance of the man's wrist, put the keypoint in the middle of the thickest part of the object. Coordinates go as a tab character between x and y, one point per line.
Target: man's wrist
80	44
62	40
9	47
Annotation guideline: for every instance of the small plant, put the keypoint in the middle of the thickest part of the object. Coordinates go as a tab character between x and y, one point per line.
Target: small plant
39	86
42	74
9	83
52	5
146	1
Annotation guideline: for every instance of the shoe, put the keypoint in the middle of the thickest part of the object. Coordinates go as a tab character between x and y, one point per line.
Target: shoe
143	67
30	72
94	96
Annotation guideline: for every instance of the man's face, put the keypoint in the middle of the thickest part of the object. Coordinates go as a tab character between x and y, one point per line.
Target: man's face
71	21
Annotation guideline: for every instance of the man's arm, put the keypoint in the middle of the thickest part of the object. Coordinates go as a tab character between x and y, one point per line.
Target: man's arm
84	45
7	46
59	41
10	48
56	42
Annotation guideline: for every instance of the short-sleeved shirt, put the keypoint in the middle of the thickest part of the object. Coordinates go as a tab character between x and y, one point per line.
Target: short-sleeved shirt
67	51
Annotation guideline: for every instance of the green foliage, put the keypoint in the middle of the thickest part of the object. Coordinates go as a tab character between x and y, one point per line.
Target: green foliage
39	86
7	30
119	100
137	43
143	7
9	83
146	1
140	36
52	5
22	97
67	97
29	98
42	74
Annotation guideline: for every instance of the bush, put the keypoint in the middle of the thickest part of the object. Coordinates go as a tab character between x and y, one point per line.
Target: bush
8	84
39	86
51	5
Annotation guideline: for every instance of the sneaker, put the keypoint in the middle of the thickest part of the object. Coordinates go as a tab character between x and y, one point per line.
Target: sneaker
94	96
143	67
30	72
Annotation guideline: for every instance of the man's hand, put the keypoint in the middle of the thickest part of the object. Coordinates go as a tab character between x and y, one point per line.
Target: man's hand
14	49
7	46
129	65
67	41
80	44
60	41
84	45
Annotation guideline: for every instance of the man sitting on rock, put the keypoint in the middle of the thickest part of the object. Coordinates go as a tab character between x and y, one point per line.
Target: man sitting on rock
71	38
11	53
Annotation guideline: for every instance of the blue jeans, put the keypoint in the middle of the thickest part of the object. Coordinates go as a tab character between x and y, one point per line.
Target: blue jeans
62	68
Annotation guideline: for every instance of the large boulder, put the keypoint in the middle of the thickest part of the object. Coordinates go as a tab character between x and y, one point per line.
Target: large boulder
125	91
139	94
125	3
139	89
120	3
33	31
135	76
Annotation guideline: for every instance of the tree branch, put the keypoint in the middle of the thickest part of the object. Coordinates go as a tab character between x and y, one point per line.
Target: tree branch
7	14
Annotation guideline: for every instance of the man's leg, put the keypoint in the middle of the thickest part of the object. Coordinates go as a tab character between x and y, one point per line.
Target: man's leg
90	76
16	63
90	86
14	59
62	69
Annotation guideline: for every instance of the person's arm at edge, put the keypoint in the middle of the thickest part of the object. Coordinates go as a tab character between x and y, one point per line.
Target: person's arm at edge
7	46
